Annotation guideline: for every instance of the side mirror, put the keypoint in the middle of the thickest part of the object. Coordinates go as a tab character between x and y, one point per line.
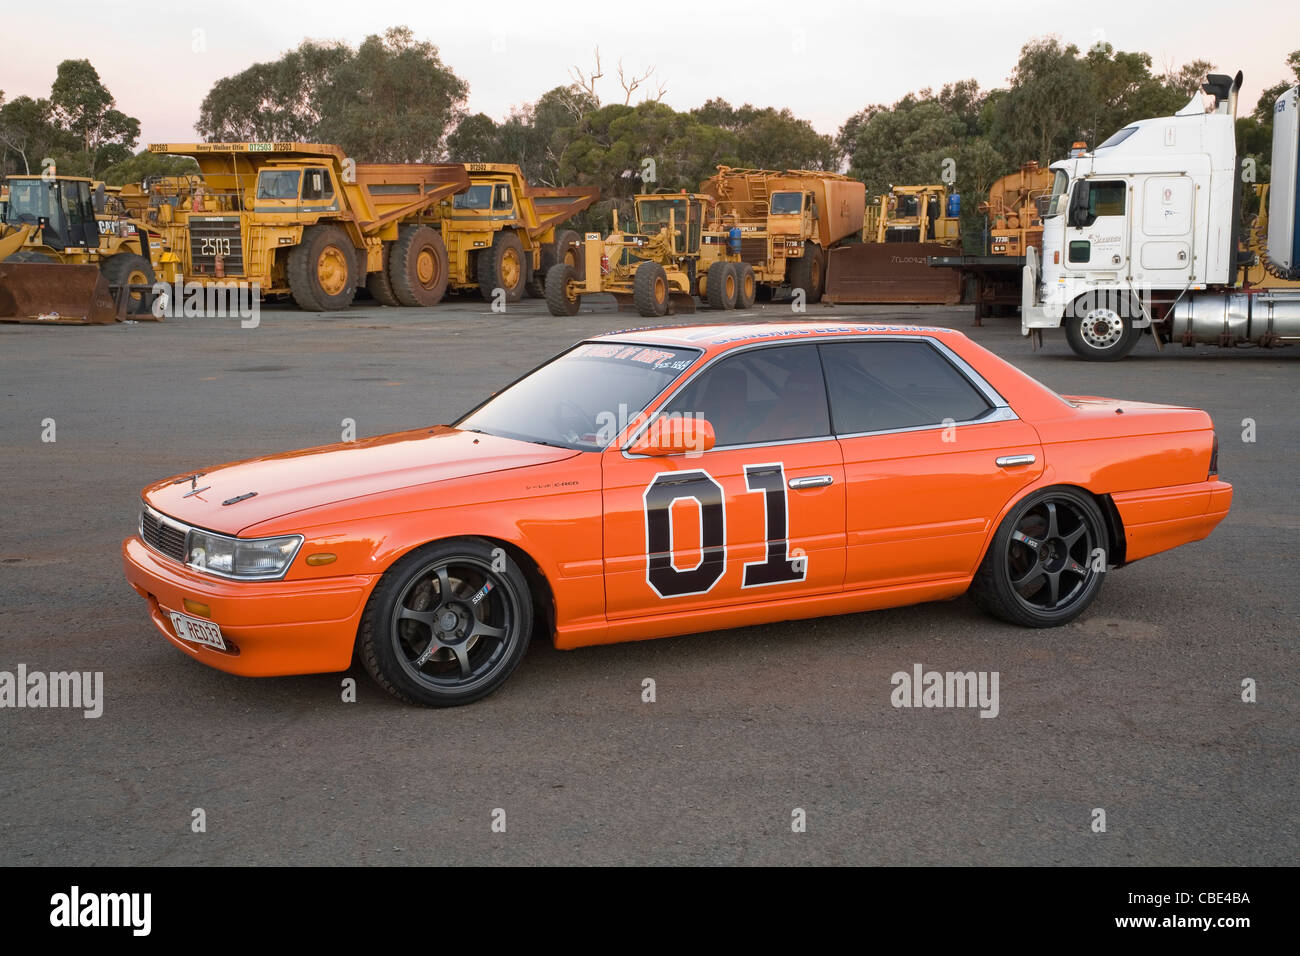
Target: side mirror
675	435
1079	216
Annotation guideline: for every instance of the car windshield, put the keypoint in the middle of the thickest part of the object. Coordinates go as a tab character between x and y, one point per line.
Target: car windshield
476	197
583	398
787	204
1060	189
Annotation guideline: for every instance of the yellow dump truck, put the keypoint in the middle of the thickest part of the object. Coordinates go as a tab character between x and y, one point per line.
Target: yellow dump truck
302	219
782	223
502	232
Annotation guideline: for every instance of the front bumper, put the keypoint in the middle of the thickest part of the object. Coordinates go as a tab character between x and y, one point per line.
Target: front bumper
273	627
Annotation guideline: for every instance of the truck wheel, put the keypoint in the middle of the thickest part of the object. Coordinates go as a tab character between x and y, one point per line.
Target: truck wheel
808	272
322	270
650	290
562	296
1100	329
447	624
417	267
126	268
721	286
746	286
378	284
562	249
503	267
30	255
1039	570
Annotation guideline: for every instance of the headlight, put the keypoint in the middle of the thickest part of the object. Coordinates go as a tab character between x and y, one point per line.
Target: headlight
252	559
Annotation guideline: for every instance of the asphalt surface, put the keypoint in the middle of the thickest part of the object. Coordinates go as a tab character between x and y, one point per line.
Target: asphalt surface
1134	709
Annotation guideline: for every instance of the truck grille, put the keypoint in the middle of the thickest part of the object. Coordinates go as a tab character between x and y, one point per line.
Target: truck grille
162	535
212	236
753	251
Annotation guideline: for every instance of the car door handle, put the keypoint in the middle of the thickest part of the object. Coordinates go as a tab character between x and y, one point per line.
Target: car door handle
1010	461
816	481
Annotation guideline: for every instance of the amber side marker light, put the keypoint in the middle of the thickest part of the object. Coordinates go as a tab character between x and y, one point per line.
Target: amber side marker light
323	557
197	607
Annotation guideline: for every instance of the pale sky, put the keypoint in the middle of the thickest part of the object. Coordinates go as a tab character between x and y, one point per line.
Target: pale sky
826	64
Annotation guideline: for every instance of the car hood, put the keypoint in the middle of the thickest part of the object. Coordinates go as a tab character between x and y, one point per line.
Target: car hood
293	481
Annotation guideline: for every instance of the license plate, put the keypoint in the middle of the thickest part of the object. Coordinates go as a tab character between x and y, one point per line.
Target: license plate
197	632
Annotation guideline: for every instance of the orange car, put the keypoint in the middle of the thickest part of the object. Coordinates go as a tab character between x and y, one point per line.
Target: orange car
666	481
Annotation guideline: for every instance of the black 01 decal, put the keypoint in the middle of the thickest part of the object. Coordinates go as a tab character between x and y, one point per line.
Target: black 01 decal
659	497
778	568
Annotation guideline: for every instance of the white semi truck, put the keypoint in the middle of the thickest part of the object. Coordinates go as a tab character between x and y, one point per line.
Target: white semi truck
1142	235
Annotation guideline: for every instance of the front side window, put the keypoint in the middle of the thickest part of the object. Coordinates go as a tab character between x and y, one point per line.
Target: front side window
886	385
1106	198
278	183
1058	198
583	398
787	204
502	200
317	185
762	395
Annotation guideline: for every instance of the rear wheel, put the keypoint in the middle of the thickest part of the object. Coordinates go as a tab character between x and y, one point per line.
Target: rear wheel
322	270
503	267
746	286
562	297
417	266
808	272
1100	328
721	286
378	284
1042	568
650	290
447	624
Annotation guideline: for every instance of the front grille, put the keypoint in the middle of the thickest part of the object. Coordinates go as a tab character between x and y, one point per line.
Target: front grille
212	236
163	536
754	251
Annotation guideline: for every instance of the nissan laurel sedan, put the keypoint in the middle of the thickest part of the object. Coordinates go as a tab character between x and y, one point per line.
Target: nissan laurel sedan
660	482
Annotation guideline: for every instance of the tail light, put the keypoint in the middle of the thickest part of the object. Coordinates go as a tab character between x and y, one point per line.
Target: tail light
1214	459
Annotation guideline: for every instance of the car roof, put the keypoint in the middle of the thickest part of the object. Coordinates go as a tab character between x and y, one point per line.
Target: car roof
720	338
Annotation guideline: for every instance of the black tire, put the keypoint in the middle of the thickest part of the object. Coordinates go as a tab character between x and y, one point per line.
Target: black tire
746	286
379	285
1100	327
425	640
322	270
561	249
127	268
1047	543
720	286
504	266
650	290
417	267
808	272
559	299
31	255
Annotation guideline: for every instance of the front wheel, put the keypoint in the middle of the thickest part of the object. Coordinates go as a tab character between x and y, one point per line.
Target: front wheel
1101	330
447	624
1046	562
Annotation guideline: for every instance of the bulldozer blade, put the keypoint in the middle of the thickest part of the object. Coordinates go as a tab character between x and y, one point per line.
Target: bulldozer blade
890	272
57	293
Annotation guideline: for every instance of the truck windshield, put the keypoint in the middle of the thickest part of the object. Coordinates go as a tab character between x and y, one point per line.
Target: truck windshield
277	184
476	197
583	398
787	204
1056	202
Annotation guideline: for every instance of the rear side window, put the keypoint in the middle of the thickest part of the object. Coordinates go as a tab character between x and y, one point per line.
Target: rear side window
878	386
763	395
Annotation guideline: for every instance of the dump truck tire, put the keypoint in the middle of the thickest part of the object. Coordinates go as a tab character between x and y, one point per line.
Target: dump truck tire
126	268
721	286
559	299
322	270
746	286
417	267
650	290
379	285
504	266
808	272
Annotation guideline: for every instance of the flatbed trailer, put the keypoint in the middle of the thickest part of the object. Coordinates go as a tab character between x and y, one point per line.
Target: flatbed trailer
996	281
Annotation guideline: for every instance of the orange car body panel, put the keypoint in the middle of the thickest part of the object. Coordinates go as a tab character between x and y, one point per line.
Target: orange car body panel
906	517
